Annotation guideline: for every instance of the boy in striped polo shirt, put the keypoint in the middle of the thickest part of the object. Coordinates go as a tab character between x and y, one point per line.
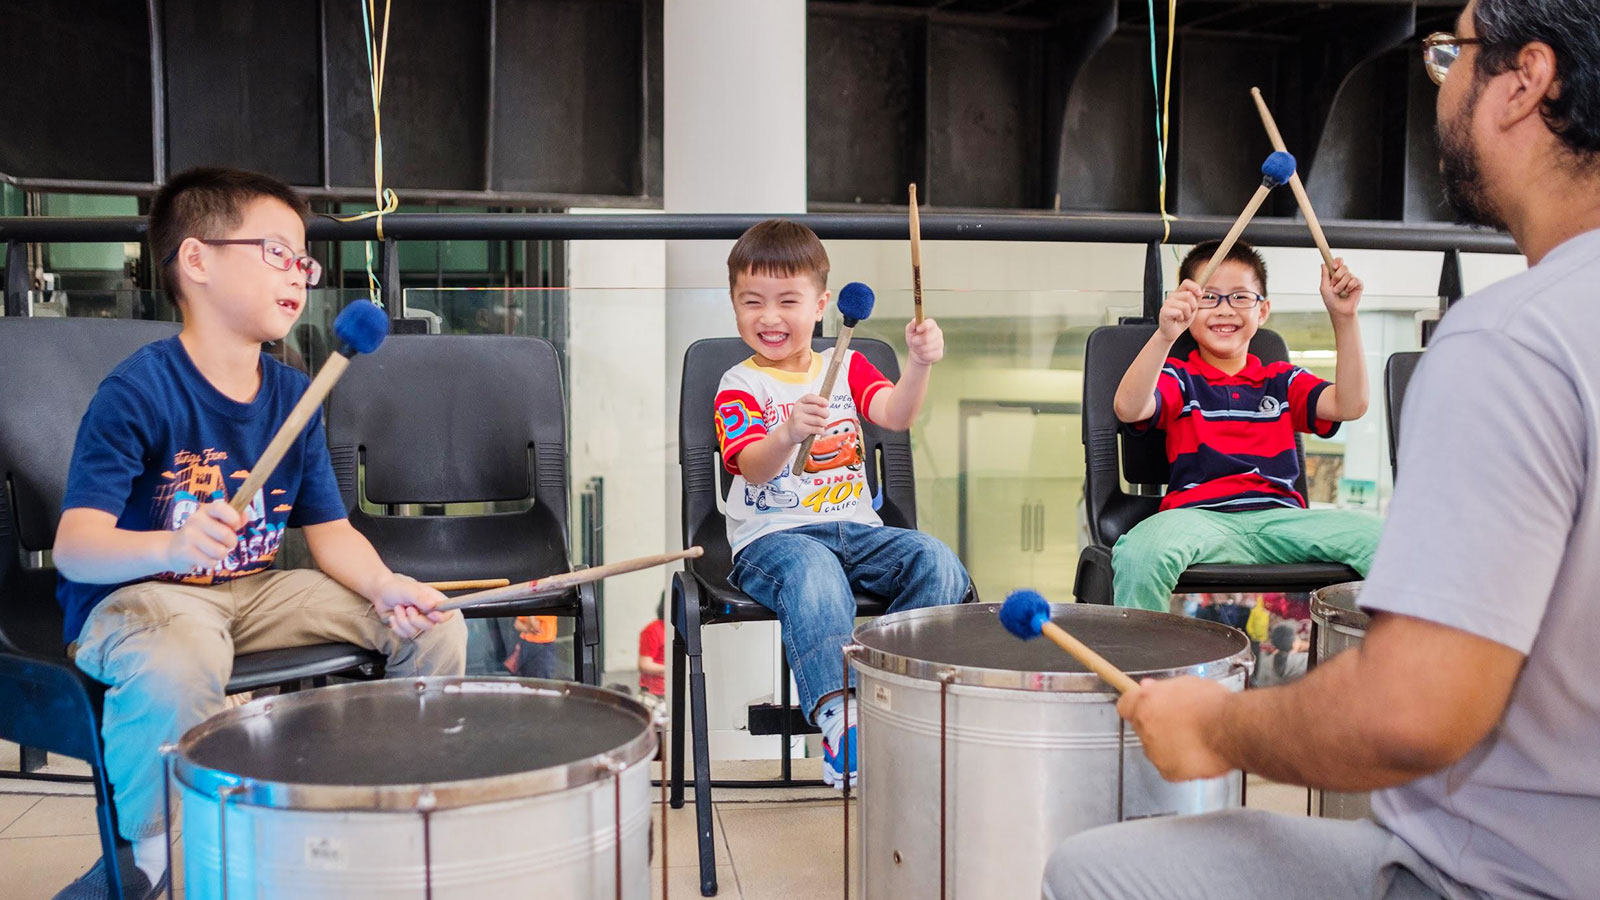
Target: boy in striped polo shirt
1230	422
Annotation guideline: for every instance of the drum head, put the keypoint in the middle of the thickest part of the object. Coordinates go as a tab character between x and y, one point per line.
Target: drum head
407	738
968	645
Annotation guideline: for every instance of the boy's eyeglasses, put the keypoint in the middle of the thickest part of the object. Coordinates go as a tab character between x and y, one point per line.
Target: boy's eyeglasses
1440	50
276	254
1237	299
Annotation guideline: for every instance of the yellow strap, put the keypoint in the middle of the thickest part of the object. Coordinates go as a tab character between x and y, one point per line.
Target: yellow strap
384	199
1166	102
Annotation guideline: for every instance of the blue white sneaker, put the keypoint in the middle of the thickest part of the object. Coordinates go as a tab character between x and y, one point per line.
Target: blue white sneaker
832	770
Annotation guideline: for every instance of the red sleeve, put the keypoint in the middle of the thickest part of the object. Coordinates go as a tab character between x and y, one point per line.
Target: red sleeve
652	641
740	423
1169	401
1304	391
865	383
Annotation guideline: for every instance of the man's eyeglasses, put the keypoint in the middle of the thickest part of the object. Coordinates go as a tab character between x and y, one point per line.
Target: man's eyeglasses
1237	299
1440	50
276	254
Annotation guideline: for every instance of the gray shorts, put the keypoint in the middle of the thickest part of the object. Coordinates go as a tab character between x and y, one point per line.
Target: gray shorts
1244	853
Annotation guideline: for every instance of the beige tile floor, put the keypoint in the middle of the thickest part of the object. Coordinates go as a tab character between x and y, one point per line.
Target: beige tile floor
770	845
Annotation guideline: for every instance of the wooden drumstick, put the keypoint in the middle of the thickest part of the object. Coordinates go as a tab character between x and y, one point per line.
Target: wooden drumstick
1295	184
916	256
855	304
555	584
469	585
1026	614
1091	660
1274	171
361	327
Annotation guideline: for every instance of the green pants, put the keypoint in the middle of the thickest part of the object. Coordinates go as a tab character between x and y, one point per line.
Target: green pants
1147	561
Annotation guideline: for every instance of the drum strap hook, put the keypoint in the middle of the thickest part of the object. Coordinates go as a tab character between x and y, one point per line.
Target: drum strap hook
945	677
223	796
425	806
166	751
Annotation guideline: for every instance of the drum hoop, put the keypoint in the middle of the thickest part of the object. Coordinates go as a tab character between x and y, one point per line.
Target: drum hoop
867	656
1345	619
246	791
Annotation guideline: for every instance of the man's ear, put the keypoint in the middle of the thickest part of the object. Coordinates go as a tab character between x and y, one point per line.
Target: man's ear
1532	82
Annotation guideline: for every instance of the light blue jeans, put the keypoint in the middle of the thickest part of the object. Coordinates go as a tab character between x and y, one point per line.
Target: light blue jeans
809	576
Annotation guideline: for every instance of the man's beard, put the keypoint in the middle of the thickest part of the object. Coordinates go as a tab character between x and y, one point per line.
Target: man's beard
1458	168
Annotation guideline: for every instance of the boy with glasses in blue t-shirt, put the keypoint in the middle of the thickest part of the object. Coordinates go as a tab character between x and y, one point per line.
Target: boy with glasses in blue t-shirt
162	582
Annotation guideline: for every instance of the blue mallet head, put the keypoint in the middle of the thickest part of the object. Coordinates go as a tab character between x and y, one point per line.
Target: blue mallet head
1024	613
1277	169
855	303
361	327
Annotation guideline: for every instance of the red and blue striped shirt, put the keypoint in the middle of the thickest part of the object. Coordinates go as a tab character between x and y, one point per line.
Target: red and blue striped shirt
1231	438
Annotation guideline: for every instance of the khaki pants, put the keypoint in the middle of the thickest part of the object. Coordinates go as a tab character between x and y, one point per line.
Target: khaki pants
166	651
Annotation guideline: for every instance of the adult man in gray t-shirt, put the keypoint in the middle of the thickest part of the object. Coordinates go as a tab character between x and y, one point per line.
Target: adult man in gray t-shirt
1473	707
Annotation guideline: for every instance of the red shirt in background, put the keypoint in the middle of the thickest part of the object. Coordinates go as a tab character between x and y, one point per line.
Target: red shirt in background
653	643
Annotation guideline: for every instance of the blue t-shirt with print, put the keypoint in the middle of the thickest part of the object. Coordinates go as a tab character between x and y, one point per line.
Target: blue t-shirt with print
159	441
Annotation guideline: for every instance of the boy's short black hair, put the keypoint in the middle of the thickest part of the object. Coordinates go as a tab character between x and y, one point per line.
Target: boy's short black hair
780	248
1240	252
207	202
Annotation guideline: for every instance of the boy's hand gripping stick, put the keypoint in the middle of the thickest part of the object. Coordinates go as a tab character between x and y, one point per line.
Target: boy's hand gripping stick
855	305
361	327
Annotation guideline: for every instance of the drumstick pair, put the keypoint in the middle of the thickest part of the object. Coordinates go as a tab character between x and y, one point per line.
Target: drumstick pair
1026	614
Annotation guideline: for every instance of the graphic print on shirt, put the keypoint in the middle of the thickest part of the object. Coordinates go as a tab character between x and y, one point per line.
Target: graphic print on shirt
196	479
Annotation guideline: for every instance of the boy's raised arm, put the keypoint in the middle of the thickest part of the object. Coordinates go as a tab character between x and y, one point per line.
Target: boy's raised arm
1346	399
1136	393
896	408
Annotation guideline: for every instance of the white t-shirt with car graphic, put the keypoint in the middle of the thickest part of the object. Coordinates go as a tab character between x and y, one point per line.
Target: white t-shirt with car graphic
832	485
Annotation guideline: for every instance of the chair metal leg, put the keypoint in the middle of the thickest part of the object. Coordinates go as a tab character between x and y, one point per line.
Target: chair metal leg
680	678
702	749
106	815
586	637
31	759
785	766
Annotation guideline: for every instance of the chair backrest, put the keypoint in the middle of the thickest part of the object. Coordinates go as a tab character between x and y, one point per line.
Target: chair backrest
50	369
1397	374
436	419
1111	511
704	477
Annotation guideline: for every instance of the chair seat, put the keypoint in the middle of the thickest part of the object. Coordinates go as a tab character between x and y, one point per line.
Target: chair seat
1288	578
270	667
723	603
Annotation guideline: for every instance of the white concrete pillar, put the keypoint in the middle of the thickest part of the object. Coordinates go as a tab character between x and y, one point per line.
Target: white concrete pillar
734	141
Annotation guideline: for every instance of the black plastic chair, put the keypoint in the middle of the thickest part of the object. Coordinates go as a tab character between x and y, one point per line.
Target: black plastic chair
437	419
1142	460
701	594
51	368
1397	374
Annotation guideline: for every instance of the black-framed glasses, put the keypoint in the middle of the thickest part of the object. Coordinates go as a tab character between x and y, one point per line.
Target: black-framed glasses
1440	50
274	253
1237	299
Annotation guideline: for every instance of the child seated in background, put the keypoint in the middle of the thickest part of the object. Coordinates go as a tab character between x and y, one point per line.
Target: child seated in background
653	657
1230	424
804	542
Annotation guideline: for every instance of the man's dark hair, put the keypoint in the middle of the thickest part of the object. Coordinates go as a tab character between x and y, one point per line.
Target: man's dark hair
1572	29
208	202
1240	252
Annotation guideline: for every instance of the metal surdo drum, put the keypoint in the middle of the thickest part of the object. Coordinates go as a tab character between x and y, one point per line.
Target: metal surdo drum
980	752
1339	624
420	788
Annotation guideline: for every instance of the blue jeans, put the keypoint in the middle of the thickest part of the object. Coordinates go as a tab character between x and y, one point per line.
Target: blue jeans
809	576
